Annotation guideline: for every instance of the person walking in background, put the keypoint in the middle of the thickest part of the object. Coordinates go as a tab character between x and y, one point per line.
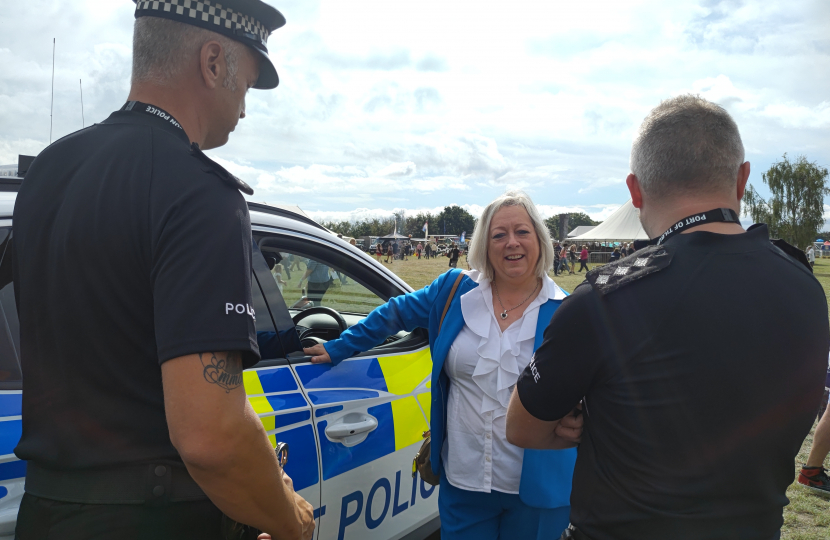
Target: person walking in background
418	249
572	259
277	273
811	255
563	258
319	280
615	255
295	263
453	255
427	250
379	250
497	314
556	258
583	259
390	254
813	474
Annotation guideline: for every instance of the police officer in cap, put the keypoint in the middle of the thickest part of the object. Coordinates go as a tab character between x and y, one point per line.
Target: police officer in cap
130	244
700	359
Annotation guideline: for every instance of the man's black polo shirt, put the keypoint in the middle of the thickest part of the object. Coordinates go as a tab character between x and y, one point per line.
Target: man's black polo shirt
129	248
701	381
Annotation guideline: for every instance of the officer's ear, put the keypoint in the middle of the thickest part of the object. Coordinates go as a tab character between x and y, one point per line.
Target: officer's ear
212	64
634	189
743	176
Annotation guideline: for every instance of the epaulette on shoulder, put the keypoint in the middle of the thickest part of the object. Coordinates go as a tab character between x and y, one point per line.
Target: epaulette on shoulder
787	249
646	261
220	171
793	252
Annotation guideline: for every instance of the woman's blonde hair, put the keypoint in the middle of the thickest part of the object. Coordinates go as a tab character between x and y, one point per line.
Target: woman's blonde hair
481	236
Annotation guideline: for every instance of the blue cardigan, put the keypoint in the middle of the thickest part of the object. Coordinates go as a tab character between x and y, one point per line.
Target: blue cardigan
546	474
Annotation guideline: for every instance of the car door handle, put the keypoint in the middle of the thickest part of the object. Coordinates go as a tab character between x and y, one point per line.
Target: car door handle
340	431
352	428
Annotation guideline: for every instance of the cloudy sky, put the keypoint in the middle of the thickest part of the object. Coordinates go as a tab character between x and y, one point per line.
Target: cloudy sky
388	105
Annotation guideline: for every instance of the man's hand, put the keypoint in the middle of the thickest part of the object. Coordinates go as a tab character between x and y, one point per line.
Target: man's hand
306	515
305	512
318	354
526	431
570	427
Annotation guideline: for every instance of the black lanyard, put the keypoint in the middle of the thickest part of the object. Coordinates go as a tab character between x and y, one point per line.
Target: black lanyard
718	215
151	110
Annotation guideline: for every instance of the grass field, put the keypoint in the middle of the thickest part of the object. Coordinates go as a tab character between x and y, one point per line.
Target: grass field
806	518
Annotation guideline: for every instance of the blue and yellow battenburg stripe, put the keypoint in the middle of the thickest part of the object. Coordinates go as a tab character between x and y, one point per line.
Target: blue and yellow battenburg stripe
402	379
276	398
282	408
11	428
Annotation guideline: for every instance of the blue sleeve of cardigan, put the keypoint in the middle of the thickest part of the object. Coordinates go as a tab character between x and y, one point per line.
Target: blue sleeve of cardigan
405	312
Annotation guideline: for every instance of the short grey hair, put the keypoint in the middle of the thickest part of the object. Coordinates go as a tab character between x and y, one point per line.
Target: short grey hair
687	146
481	236
163	50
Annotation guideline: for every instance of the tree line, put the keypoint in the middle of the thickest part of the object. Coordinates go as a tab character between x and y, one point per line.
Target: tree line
451	220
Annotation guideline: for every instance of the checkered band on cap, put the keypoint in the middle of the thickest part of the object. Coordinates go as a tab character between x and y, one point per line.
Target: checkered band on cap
208	12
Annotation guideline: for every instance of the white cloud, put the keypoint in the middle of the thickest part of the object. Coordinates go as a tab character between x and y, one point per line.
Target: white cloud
398	169
424	104
800	116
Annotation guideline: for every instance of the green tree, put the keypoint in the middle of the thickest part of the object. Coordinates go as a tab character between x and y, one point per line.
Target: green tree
795	209
578	219
454	220
575	219
343	227
367	227
415	225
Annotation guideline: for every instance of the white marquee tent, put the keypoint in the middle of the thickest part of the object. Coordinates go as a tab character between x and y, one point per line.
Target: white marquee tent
623	224
582	229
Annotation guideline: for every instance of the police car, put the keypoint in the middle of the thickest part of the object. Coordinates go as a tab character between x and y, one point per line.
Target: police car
352	429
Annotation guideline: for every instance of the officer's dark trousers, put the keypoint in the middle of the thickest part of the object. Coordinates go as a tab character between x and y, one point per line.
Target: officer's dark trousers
45	519
316	291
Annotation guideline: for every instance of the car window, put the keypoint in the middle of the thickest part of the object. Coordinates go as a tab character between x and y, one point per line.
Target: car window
10	373
306	278
306	281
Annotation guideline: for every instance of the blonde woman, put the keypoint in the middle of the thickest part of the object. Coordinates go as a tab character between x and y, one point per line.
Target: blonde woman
490	489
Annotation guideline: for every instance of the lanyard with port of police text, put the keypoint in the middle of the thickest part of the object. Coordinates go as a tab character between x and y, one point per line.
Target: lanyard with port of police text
152	110
718	215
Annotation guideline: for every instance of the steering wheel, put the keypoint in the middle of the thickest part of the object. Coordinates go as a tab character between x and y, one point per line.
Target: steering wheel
320	310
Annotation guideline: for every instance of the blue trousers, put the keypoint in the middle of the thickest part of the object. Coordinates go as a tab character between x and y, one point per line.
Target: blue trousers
472	515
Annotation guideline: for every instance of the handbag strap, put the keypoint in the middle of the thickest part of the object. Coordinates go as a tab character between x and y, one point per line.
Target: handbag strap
449	300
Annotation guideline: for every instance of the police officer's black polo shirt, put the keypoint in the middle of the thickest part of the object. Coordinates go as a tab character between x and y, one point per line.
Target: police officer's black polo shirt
129	249
701	381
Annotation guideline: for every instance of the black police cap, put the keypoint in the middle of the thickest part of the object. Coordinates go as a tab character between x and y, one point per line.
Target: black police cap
247	21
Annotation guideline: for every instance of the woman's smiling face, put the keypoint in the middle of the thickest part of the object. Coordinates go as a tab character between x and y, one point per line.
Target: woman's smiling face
513	246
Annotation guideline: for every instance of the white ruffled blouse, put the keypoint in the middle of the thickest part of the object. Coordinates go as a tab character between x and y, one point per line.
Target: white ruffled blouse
483	365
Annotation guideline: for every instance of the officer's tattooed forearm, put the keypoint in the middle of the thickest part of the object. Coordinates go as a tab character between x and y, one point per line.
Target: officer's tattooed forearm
223	369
